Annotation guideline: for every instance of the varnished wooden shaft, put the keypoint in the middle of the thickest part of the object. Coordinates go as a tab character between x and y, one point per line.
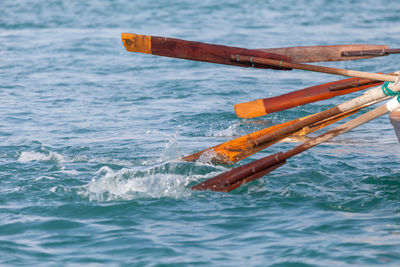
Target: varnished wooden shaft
371	52
304	54
310	95
224	181
177	48
242	147
372	95
261	107
377	112
232	179
239	148
336	71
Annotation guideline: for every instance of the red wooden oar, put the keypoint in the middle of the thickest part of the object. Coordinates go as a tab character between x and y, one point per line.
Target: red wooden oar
261	107
177	48
315	68
232	179
244	146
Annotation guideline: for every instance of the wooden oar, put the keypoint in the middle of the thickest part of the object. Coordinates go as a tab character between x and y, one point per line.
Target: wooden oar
176	48
336	71
354	53
261	107
303	54
232	179
242	147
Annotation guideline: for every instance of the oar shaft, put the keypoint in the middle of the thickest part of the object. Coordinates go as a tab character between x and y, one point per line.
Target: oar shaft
232	179
352	83
261	107
370	52
329	70
244	146
371	95
177	48
377	112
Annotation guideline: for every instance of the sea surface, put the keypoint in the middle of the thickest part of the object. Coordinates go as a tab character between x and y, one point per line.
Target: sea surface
91	138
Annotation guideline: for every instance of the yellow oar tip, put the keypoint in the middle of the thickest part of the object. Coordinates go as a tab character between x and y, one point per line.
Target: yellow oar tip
136	42
251	109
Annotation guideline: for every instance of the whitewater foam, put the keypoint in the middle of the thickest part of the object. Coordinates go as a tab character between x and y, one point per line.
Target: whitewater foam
37	156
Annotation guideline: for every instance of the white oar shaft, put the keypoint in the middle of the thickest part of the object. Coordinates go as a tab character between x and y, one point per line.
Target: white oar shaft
373	94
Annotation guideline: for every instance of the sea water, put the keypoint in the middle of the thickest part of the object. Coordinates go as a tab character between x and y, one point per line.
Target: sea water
91	138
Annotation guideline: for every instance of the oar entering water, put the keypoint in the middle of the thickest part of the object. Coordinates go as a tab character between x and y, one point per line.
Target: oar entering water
242	147
232	179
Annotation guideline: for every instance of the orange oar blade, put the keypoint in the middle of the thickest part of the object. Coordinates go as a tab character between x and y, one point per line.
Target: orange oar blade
177	48
237	149
254	170
247	145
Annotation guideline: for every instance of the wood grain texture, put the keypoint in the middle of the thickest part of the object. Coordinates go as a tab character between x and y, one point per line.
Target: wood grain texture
177	48
304	54
315	68
261	107
232	179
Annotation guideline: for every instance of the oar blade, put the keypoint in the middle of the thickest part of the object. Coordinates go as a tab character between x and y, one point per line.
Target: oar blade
255	176
232	179
304	54
239	148
261	107
189	50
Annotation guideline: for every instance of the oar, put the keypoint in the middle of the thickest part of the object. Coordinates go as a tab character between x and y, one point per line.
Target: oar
242	147
232	179
354	53
261	107
177	48
336	71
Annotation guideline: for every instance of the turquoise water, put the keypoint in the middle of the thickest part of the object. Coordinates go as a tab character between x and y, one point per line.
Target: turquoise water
91	136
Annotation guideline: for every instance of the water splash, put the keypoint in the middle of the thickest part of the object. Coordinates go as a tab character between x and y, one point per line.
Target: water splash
37	156
165	176
232	130
171	149
168	179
